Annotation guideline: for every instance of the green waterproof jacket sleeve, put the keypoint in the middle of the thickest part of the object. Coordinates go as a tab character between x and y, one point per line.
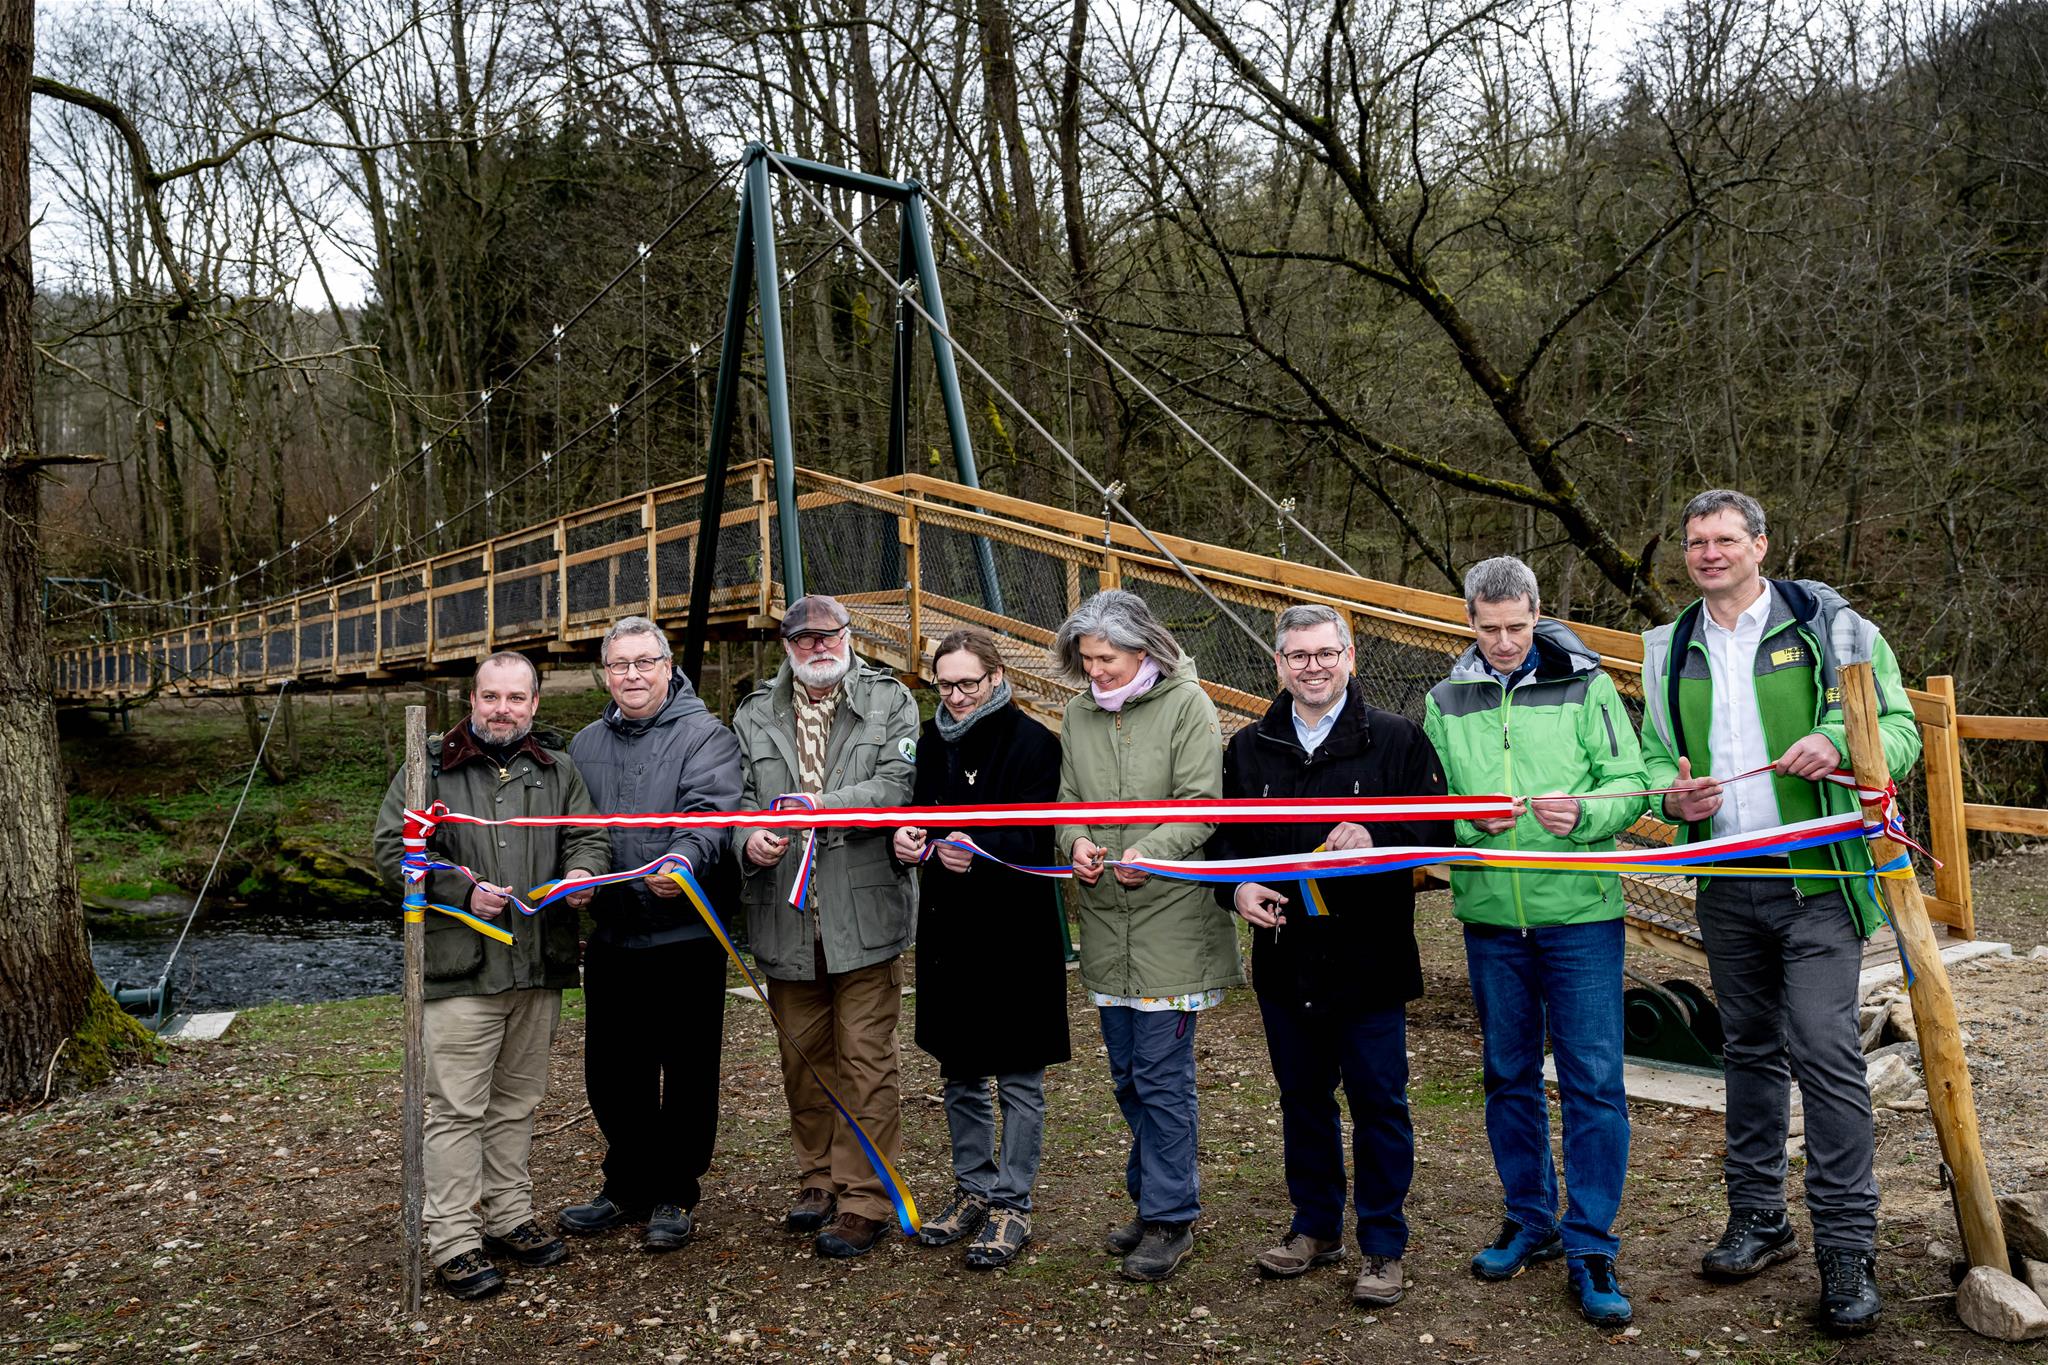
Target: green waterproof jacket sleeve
1197	749
1616	762
1897	730
388	844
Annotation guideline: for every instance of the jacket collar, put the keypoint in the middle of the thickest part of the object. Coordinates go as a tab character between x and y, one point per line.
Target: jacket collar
1351	732
460	745
1183	672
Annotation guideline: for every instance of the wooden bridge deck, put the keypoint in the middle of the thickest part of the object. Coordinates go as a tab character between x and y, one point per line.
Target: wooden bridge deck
906	556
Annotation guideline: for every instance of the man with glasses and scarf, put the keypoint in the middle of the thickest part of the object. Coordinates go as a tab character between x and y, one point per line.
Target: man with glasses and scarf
1333	987
653	977
841	733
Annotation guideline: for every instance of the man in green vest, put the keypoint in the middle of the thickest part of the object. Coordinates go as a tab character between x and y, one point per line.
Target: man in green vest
1747	679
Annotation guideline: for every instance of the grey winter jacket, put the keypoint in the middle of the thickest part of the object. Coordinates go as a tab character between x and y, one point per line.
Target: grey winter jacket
865	901
678	759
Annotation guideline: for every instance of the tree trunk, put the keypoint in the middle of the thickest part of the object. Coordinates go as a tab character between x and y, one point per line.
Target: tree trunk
46	972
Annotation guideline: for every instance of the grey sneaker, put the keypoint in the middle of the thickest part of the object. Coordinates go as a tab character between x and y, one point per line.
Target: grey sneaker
1380	1282
959	1219
1002	1237
1298	1255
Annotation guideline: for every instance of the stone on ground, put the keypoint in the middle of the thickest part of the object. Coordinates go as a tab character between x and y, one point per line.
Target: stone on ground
1994	1304
2026	1223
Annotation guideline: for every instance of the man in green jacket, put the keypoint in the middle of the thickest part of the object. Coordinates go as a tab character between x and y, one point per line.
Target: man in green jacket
1528	711
845	734
1748	678
492	1008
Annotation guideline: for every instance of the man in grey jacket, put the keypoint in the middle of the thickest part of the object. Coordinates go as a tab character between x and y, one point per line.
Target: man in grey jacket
653	977
845	734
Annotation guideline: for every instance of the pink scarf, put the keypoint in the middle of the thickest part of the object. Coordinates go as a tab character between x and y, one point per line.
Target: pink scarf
1115	698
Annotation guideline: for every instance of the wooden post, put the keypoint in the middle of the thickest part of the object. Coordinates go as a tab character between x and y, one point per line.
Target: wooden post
1949	1098
913	587
1949	839
415	1103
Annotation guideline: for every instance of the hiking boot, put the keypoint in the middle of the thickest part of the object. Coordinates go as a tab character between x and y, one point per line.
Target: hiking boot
848	1235
1515	1250
1160	1252
1381	1282
668	1227
1849	1305
1002	1237
601	1214
1754	1239
1122	1241
1297	1255
1597	1293
469	1276
812	1210
528	1245
960	1219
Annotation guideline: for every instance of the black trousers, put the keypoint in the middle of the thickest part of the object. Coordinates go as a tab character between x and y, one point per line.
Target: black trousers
654	1025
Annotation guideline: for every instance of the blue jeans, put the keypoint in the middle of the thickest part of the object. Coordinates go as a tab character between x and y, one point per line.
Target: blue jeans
1564	979
1004	1181
1152	1061
1312	1052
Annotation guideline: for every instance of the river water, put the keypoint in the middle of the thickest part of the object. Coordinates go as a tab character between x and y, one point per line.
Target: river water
235	958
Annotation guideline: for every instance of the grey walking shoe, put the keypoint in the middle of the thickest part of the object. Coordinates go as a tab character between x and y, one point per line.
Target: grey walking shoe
959	1219
1380	1282
1002	1237
1298	1255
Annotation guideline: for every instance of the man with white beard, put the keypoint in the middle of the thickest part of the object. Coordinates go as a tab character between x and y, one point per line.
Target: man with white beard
842	733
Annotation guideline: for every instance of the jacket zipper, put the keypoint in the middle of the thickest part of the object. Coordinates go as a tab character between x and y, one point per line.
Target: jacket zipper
1613	743
1507	751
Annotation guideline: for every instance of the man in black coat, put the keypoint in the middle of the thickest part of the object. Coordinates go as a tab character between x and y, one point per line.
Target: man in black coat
1333	987
653	977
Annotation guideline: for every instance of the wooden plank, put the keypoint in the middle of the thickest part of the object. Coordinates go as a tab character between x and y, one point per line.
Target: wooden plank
2029	820
1942	761
413	1154
1950	1099
1689	953
2003	727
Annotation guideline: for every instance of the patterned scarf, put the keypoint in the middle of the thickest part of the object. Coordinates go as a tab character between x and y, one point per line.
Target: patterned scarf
813	734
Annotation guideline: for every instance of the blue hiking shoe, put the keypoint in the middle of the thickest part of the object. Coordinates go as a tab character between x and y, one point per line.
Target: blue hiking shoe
1515	1250
1597	1292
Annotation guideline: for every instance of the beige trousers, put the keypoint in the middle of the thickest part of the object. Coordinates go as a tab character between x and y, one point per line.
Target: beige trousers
487	1071
847	1025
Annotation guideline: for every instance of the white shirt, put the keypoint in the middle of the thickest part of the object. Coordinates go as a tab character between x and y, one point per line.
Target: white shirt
1736	741
1312	736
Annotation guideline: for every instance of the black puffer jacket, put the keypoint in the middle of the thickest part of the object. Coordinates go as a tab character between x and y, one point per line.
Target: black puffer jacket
678	759
1362	955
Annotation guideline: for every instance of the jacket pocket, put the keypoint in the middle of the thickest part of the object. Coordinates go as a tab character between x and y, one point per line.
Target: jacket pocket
881	906
454	950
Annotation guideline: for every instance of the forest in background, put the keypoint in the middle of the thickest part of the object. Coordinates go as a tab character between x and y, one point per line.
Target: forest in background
1458	278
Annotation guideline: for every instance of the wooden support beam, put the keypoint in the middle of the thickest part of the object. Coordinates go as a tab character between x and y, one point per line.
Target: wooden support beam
2029	820
1941	757
414	1154
1949	1097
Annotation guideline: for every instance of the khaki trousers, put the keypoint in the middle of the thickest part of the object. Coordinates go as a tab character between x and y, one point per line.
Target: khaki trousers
847	1024
487	1071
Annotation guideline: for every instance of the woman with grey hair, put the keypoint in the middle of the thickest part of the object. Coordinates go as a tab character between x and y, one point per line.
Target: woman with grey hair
1154	953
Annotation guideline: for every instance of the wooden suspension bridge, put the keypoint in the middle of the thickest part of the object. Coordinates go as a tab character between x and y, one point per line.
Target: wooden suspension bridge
909	557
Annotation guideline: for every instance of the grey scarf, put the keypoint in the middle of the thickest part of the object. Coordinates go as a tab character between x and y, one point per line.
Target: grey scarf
951	730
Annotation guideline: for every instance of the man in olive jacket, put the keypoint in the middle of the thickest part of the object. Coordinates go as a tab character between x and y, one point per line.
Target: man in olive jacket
492	1008
845	734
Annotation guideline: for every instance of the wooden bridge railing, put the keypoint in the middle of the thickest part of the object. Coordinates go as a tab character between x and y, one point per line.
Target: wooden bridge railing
903	555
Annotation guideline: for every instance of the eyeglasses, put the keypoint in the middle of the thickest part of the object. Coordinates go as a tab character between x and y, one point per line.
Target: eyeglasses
966	687
1321	658
1725	544
619	668
814	640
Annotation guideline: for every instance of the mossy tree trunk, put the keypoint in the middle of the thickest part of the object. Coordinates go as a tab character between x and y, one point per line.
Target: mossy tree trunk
46	975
